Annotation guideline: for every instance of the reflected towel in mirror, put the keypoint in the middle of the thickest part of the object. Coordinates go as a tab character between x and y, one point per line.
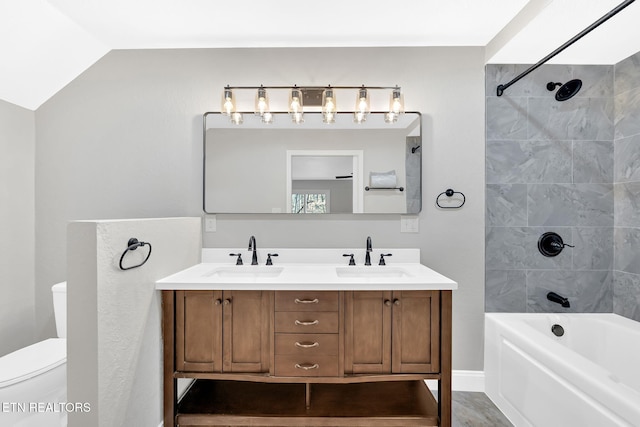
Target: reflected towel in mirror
382	179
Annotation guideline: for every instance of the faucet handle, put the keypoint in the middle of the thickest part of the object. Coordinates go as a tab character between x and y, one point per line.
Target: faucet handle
382	259
269	262
351	260
239	260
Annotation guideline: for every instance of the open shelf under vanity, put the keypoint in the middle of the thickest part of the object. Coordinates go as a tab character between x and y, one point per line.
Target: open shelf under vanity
241	403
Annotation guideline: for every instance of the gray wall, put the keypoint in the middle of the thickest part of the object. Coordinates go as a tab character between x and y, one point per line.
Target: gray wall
124	140
626	286
549	167
17	241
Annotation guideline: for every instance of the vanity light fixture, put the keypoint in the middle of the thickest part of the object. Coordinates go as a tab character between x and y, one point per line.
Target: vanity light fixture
328	105
295	105
312	98
262	101
228	102
396	106
362	106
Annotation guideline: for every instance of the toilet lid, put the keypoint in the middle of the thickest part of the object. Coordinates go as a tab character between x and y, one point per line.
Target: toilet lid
33	360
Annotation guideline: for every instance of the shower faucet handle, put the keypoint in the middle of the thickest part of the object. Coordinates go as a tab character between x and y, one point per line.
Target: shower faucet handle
239	260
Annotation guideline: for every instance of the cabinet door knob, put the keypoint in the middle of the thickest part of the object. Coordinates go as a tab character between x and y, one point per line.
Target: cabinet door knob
306	322
307	344
307	366
227	301
396	301
218	301
306	301
387	303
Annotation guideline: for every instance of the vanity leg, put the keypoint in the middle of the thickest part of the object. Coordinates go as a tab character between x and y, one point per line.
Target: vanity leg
307	395
168	337
444	386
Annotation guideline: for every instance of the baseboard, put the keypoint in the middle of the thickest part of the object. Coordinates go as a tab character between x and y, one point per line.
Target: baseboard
463	381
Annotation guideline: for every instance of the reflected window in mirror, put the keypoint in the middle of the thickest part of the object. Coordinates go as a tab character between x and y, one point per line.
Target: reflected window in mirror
311	201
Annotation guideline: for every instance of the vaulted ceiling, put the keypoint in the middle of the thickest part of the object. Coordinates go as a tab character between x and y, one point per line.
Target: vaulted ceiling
45	44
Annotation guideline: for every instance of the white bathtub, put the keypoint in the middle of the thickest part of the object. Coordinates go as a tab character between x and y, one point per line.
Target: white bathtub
588	377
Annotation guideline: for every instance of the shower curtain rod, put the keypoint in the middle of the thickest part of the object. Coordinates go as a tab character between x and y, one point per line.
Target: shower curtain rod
575	38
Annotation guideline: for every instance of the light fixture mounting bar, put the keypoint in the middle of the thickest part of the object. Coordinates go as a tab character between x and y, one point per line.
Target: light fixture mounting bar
306	87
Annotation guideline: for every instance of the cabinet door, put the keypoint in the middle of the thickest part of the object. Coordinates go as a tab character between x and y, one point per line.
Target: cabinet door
368	332
416	332
199	331
246	331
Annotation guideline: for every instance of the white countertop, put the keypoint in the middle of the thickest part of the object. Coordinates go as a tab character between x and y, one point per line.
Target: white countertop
326	274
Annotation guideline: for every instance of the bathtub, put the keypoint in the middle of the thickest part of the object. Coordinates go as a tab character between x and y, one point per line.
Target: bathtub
590	376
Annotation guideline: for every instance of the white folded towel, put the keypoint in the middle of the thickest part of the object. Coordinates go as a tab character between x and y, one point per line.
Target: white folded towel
382	179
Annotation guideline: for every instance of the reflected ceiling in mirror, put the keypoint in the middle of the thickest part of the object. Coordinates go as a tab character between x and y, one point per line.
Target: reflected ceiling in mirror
312	167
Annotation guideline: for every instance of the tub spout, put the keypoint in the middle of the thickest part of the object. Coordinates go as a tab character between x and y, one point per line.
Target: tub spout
553	297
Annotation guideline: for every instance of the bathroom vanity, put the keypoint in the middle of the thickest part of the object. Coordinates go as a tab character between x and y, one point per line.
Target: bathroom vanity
307	344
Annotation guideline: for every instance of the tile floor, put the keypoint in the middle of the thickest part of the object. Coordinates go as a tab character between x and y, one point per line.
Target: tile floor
476	410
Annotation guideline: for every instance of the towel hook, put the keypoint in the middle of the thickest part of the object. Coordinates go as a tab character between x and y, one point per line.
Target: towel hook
132	245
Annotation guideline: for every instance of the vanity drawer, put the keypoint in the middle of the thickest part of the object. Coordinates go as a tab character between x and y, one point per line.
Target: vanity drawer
306	322
307	344
309	366
306	301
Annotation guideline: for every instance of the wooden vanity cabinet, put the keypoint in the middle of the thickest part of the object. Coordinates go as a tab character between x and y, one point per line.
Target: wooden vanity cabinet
392	332
299	358
222	331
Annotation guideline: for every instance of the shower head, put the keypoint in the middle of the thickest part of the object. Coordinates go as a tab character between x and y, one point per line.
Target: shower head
567	90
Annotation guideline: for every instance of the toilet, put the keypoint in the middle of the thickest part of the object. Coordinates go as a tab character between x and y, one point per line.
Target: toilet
33	379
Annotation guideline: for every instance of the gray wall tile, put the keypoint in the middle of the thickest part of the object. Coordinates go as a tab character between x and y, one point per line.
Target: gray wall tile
593	248
587	291
627	159
505	291
592	162
506	118
626	295
627	249
570	204
528	161
578	118
627	120
626	74
506	205
627	204
597	80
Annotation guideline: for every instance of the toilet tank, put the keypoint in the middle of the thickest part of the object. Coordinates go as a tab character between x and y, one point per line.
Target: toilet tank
60	307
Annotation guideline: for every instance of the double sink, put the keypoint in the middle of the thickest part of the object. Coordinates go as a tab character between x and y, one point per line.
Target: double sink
248	271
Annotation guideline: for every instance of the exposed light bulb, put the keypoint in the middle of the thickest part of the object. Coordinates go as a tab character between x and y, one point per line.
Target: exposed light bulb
267	118
362	106
396	104
262	101
228	106
328	106
295	105
237	119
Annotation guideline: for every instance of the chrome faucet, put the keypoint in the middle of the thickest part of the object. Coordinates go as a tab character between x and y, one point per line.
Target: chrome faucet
252	247
367	257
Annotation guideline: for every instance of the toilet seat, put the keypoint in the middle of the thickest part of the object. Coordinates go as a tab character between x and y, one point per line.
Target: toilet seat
32	361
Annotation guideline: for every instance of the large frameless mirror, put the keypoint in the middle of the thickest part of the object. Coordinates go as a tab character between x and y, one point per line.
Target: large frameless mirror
312	167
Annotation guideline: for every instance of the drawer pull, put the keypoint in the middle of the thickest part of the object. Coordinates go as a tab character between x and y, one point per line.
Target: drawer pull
307	366
306	323
307	344
307	301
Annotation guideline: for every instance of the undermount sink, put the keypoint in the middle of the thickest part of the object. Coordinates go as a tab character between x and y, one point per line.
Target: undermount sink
371	271
244	271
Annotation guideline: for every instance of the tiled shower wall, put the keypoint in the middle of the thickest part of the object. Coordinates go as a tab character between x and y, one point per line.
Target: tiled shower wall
626	274
550	167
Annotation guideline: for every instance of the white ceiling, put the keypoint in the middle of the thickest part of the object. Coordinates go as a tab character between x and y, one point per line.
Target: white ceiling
45	44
